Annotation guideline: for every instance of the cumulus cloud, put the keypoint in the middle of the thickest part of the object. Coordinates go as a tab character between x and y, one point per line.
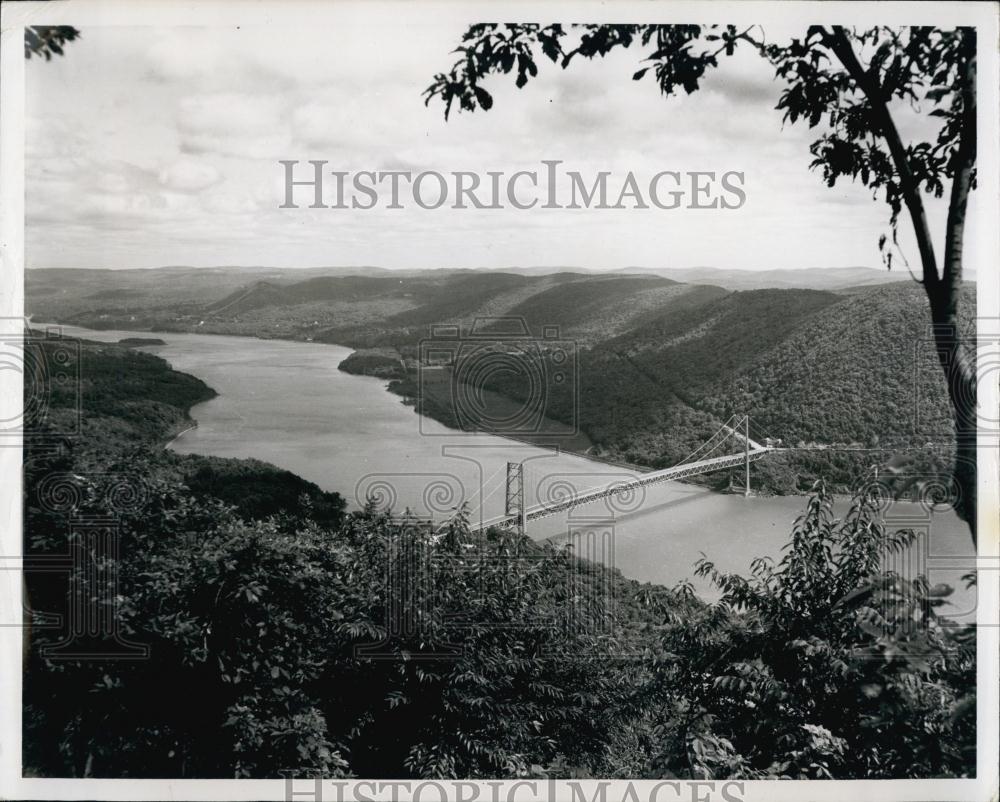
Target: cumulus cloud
170	142
187	175
183	55
233	124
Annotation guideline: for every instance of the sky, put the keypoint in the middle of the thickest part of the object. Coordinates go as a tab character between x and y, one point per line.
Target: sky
161	146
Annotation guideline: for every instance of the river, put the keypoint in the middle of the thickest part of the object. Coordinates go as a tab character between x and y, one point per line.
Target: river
286	403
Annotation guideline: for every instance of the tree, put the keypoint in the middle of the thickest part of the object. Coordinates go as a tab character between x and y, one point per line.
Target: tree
46	40
825	81
824	663
819	664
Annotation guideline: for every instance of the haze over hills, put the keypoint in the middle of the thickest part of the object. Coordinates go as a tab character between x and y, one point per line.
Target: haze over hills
807	278
380	309
315	301
234	276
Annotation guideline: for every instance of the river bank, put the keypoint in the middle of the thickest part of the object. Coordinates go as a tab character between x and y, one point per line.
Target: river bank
437	398
785	474
286	403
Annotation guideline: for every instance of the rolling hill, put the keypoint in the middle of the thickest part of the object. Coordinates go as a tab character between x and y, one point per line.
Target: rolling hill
657	363
855	372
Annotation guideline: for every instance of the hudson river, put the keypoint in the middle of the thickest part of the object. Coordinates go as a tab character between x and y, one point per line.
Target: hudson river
286	403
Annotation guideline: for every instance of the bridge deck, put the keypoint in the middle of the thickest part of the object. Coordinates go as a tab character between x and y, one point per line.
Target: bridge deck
676	472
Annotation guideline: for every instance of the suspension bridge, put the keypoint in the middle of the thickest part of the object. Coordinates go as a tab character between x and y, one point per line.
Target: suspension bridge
734	437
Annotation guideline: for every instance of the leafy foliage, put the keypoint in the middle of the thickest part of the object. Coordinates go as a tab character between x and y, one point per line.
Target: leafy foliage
47	40
824	651
258	490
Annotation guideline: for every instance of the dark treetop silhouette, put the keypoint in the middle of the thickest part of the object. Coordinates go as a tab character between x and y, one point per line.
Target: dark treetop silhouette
825	81
44	40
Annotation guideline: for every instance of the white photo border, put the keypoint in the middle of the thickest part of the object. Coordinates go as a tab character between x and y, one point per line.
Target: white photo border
164	13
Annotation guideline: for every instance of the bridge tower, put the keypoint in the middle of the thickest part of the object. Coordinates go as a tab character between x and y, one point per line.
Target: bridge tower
746	454
514	501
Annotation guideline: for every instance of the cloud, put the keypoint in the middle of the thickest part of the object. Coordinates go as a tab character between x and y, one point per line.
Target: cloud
187	175
184	56
170	140
233	124
229	112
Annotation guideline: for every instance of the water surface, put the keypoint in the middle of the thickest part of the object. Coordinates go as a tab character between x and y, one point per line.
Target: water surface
286	403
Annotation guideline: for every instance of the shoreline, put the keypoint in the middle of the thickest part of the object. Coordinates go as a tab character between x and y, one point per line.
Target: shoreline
638	469
185	430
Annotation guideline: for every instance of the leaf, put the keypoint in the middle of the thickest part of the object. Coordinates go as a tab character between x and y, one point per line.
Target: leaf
857	593
550	47
485	98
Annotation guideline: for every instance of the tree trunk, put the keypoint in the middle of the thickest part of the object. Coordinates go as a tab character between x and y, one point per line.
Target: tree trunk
958	361
960	374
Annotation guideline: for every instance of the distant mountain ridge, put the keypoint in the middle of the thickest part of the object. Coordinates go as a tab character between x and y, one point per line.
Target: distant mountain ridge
808	278
391	308
814	278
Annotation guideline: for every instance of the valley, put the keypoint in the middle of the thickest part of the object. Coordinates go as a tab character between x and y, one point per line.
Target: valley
653	364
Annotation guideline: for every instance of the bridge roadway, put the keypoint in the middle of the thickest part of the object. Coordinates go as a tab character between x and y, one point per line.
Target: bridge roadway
754	453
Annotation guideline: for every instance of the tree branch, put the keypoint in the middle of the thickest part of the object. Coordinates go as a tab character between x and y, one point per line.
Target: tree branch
840	44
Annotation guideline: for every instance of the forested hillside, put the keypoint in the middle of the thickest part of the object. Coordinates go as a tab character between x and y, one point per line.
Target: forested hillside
126	403
257	628
811	368
655	365
642	391
861	371
844	380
